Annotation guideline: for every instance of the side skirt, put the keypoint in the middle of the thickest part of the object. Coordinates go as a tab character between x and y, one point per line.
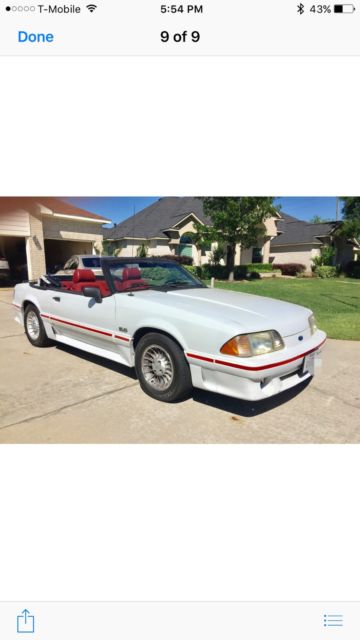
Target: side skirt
89	348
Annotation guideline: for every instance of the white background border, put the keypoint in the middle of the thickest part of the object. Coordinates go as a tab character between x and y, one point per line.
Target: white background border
179	522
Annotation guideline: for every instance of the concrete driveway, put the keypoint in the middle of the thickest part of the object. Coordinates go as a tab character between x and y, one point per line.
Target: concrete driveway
60	395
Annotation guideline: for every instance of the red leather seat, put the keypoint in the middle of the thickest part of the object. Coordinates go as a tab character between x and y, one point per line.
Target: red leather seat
82	278
86	278
66	284
131	279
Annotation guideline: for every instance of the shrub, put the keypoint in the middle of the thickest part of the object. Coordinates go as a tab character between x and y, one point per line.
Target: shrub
352	269
260	267
186	260
326	272
290	268
217	254
195	271
325	259
221	272
214	271
142	250
240	271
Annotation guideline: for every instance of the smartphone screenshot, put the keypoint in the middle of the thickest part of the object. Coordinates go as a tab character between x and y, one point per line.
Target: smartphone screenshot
179	320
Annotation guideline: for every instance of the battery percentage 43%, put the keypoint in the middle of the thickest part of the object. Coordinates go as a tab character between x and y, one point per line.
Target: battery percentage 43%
320	8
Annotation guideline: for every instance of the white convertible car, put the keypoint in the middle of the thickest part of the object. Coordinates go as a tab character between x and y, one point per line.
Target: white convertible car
155	316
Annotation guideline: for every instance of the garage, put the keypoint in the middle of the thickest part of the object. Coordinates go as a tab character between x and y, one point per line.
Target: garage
57	252
37	234
13	249
14	231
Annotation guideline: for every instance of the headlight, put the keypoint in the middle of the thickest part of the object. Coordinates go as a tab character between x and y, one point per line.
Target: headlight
253	344
312	323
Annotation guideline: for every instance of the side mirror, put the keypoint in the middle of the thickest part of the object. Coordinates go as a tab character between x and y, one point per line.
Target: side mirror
92	292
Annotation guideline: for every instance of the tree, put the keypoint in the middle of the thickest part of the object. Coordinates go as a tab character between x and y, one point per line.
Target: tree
235	221
198	240
351	218
326	257
318	219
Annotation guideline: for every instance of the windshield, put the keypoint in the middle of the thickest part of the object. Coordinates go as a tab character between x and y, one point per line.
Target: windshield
91	263
151	274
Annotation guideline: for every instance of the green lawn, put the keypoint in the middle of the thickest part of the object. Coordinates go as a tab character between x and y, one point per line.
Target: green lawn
336	303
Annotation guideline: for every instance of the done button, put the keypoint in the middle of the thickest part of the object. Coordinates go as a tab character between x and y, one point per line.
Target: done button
24	36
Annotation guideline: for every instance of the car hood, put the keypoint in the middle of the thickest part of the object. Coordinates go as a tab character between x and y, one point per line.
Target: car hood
244	311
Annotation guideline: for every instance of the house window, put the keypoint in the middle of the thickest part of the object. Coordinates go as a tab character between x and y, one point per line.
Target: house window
185	246
186	239
256	255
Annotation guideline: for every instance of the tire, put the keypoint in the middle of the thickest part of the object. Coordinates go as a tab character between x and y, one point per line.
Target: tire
34	327
161	368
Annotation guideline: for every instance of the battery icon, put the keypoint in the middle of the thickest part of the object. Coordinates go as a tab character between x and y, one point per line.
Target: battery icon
344	8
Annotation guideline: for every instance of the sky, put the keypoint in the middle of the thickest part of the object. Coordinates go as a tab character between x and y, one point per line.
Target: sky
118	209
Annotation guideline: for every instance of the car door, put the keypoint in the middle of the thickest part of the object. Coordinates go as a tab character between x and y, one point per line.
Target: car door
73	316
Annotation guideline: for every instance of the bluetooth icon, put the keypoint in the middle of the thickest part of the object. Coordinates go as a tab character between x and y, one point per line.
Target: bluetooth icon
300	8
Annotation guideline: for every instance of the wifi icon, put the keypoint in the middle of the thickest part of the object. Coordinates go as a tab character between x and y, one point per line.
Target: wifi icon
91	7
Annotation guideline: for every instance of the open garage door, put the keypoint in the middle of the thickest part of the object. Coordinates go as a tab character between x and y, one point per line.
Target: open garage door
13	249
57	252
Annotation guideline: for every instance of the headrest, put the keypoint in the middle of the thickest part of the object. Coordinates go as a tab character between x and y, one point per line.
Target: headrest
131	273
83	275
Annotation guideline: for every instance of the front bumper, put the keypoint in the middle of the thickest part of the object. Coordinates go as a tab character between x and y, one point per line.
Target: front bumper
257	380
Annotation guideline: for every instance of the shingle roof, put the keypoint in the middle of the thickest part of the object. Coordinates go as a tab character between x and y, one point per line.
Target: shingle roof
294	231
152	221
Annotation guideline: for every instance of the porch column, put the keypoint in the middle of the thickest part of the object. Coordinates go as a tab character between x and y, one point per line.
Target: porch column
266	251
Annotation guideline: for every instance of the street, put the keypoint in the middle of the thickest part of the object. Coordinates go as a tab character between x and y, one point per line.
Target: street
62	395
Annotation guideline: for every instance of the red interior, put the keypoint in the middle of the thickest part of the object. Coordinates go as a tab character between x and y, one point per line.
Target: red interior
85	278
131	279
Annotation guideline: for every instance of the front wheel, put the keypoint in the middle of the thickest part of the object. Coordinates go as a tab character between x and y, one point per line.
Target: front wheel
161	368
34	327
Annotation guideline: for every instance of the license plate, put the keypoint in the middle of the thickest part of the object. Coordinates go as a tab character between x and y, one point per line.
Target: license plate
309	364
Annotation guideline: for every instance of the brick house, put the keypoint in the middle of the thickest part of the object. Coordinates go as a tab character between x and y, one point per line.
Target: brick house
164	229
300	241
38	233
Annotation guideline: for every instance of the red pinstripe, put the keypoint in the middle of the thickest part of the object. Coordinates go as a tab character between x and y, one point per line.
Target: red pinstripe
81	326
260	368
78	326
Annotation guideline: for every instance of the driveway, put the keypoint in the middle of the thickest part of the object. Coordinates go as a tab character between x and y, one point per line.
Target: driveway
60	395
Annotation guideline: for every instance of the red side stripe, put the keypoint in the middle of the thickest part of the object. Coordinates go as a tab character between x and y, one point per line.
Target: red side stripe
262	367
18	306
81	326
193	355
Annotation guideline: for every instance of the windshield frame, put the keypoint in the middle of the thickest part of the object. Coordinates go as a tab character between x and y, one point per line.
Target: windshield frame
108	263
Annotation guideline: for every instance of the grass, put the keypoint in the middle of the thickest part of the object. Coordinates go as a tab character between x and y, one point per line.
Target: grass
335	303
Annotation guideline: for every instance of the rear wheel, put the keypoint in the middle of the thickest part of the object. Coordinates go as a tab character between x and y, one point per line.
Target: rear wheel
34	327
161	368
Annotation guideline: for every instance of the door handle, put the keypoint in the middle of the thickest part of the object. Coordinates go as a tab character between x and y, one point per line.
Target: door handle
56	298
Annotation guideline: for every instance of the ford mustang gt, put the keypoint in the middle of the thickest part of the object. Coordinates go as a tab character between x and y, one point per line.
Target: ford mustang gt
178	334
